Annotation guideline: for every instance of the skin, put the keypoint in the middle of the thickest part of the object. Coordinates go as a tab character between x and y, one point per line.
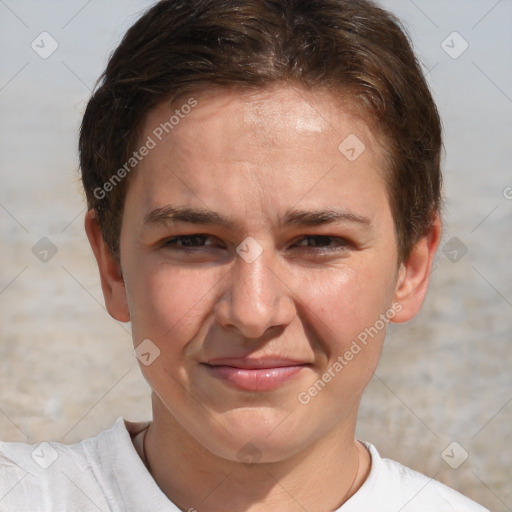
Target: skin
253	157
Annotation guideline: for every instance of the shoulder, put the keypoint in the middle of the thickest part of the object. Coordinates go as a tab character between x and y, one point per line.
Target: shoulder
57	476
396	487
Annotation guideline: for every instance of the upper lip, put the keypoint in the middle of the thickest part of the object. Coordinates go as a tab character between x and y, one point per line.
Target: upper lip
248	363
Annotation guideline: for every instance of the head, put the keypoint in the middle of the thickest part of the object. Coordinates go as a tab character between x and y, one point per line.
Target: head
260	126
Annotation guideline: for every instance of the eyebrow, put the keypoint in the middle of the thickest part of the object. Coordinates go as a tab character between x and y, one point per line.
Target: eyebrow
169	214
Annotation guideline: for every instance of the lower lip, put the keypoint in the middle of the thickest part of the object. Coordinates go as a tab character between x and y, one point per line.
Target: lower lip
261	379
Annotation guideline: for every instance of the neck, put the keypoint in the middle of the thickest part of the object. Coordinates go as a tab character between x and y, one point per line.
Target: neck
321	477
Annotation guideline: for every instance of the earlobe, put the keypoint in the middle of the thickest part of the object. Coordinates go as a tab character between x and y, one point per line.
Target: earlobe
112	282
414	274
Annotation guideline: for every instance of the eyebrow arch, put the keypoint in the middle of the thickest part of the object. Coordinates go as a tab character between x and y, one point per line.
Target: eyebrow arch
311	218
319	217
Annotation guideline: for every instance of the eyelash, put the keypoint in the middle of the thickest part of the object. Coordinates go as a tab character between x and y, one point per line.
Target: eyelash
341	243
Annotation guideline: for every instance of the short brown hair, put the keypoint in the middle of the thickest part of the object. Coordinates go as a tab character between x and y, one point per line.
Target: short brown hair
349	46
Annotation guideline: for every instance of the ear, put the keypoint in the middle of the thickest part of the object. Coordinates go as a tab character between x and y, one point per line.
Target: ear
414	274
112	282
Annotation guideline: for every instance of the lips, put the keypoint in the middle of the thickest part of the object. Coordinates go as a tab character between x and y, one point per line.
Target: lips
261	374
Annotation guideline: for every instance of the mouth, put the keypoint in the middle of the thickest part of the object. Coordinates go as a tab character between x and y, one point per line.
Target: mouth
262	374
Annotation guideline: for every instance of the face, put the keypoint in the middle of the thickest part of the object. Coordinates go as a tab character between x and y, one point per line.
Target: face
255	253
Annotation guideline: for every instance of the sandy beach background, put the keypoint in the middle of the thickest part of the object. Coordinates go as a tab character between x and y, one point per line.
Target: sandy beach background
67	369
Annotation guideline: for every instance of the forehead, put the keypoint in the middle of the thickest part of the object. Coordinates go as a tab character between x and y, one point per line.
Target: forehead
271	117
263	147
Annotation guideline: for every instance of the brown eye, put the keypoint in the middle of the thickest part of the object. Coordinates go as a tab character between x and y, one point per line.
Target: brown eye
323	243
186	242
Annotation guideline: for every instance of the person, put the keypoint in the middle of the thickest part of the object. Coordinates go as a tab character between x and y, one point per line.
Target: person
263	185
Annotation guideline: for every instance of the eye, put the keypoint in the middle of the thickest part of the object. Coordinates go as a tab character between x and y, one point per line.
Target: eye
323	243
311	243
187	242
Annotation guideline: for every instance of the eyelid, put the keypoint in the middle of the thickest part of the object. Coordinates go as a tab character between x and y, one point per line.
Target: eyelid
337	246
338	239
340	243
167	242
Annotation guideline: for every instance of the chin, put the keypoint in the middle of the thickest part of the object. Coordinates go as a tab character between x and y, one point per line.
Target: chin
256	434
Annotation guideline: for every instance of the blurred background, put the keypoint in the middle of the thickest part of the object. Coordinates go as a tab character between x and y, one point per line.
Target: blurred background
441	399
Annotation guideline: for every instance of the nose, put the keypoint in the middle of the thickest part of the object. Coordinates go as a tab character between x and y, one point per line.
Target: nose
256	299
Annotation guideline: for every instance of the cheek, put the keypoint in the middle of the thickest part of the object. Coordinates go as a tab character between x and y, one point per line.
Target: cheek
346	301
346	309
169	303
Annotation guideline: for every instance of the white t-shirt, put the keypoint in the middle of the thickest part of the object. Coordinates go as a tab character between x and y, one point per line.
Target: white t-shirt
105	473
